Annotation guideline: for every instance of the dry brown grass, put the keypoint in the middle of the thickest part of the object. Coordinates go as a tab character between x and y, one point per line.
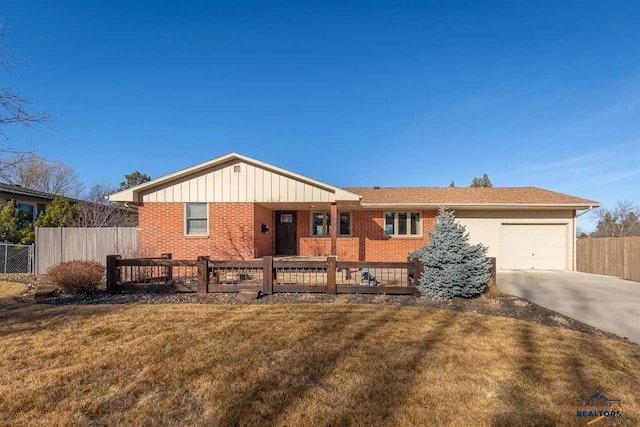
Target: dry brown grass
493	303
323	364
521	303
9	290
493	291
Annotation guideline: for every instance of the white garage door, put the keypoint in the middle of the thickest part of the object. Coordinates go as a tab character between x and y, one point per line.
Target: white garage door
540	246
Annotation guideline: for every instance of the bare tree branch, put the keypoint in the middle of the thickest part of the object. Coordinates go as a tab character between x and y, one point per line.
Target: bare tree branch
31	171
621	220
97	211
13	110
13	107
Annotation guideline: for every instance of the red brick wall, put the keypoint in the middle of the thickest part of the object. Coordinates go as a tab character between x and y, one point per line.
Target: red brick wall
264	241
162	230
235	233
347	247
368	243
369	226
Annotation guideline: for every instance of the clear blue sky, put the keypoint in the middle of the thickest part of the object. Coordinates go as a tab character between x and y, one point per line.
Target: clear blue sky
371	93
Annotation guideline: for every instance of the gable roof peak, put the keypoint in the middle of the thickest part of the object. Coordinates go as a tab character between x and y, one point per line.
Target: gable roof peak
132	194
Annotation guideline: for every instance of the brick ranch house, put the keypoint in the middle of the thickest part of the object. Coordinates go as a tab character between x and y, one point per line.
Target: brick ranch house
235	207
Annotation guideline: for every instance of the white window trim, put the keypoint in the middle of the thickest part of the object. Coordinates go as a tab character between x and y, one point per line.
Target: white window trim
395	234
327	214
185	220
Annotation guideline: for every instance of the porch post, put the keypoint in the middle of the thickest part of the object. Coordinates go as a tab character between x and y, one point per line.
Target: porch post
112	274
335	224
203	275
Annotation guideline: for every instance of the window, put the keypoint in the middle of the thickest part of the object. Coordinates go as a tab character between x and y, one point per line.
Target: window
318	224
389	223
321	223
402	224
345	224
415	223
29	209
196	219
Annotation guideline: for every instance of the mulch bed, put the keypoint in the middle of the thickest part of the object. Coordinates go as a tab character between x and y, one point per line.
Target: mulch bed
506	306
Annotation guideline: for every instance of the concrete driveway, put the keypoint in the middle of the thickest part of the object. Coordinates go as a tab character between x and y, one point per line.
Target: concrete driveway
608	303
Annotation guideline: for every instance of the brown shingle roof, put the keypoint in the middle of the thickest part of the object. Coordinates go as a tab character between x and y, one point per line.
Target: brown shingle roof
467	195
24	191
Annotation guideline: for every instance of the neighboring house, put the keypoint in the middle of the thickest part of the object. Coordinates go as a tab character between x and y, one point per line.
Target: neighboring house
235	207
31	202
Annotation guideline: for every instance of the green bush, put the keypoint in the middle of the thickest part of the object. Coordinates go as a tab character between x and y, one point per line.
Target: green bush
77	277
15	226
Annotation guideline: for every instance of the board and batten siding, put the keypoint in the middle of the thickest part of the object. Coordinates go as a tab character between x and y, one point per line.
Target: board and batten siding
253	184
485	226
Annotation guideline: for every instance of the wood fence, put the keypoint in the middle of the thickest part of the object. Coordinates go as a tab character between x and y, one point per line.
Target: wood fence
610	256
267	275
58	244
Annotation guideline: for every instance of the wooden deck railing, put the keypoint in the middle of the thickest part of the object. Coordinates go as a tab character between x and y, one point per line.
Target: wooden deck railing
268	275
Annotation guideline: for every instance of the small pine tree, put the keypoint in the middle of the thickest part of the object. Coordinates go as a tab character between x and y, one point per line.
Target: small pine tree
60	213
452	266
12	222
27	234
133	179
484	182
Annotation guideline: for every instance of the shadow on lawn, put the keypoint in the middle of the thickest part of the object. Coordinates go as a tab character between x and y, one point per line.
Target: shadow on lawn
587	385
383	394
380	393
315	368
189	407
21	317
522	394
525	409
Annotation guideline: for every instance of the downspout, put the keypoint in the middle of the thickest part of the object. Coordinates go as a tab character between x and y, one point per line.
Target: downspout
587	211
575	238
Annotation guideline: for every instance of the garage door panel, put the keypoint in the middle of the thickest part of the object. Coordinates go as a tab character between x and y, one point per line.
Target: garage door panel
553	237
511	233
534	246
518	264
547	264
519	252
550	252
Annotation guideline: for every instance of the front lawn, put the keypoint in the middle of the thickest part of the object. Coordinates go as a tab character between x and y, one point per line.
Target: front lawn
302	364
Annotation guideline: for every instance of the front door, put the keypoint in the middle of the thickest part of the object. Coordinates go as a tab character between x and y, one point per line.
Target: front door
286	233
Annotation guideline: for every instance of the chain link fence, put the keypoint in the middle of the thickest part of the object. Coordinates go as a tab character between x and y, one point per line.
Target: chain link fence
16	258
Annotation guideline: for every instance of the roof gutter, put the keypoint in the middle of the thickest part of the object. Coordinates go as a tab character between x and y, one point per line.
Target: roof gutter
587	211
479	205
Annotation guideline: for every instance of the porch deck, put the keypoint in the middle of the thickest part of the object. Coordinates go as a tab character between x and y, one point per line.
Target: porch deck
299	258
